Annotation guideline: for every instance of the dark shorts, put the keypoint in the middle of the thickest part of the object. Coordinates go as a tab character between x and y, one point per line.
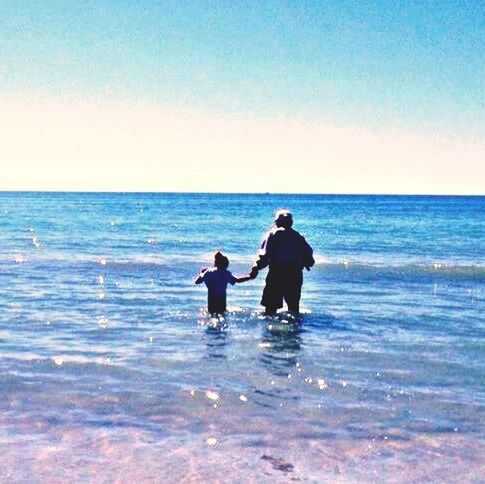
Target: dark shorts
283	283
216	303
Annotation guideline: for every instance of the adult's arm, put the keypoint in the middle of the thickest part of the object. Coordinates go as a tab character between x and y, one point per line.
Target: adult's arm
264	252
308	260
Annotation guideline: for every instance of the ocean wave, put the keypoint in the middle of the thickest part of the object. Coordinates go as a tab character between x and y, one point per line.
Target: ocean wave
161	259
342	269
415	271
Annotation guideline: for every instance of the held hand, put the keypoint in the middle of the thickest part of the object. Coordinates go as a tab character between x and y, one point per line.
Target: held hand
254	272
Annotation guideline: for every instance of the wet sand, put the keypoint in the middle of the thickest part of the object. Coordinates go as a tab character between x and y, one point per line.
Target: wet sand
39	450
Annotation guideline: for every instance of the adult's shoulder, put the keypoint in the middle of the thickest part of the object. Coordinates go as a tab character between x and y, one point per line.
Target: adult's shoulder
276	230
300	234
300	237
271	233
294	233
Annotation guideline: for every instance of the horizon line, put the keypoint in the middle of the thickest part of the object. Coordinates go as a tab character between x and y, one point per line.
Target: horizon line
185	192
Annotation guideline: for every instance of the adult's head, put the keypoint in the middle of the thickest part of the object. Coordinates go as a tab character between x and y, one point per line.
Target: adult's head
283	218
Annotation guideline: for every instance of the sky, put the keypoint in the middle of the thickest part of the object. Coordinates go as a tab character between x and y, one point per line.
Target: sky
280	96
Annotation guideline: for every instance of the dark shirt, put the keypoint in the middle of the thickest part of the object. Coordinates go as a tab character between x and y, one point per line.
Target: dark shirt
217	280
285	247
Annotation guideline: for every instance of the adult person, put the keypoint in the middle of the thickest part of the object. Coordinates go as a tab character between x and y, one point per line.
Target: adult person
285	252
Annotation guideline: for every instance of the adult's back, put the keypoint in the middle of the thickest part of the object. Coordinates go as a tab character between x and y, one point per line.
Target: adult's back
286	252
287	247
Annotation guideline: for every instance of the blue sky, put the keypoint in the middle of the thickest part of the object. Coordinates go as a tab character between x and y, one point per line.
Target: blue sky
412	66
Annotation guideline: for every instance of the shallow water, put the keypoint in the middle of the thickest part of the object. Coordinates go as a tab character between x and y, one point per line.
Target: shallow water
110	370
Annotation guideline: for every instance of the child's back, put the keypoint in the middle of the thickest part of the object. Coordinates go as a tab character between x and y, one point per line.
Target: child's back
216	279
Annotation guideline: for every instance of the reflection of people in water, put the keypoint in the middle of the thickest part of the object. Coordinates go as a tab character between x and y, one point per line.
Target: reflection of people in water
281	345
286	253
216	340
216	279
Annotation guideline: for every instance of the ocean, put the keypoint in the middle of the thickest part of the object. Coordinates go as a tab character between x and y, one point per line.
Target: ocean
112	371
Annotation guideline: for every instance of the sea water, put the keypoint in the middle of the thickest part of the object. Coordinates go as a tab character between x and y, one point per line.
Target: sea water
112	371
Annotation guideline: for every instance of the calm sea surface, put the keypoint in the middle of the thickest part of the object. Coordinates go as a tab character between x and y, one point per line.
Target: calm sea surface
110	370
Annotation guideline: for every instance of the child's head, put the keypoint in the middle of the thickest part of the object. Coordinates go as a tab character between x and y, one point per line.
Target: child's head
220	260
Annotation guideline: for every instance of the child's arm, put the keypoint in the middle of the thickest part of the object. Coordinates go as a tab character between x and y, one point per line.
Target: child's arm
200	277
242	278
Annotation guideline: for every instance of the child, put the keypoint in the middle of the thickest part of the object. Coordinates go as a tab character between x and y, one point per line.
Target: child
216	279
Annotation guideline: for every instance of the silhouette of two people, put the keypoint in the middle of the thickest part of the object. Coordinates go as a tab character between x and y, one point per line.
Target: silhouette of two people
284	251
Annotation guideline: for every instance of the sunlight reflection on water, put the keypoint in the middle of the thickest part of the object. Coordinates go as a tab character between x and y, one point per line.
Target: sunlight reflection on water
109	367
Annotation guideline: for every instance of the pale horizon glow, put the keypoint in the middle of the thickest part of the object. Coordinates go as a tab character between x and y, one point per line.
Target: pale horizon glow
280	97
103	146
